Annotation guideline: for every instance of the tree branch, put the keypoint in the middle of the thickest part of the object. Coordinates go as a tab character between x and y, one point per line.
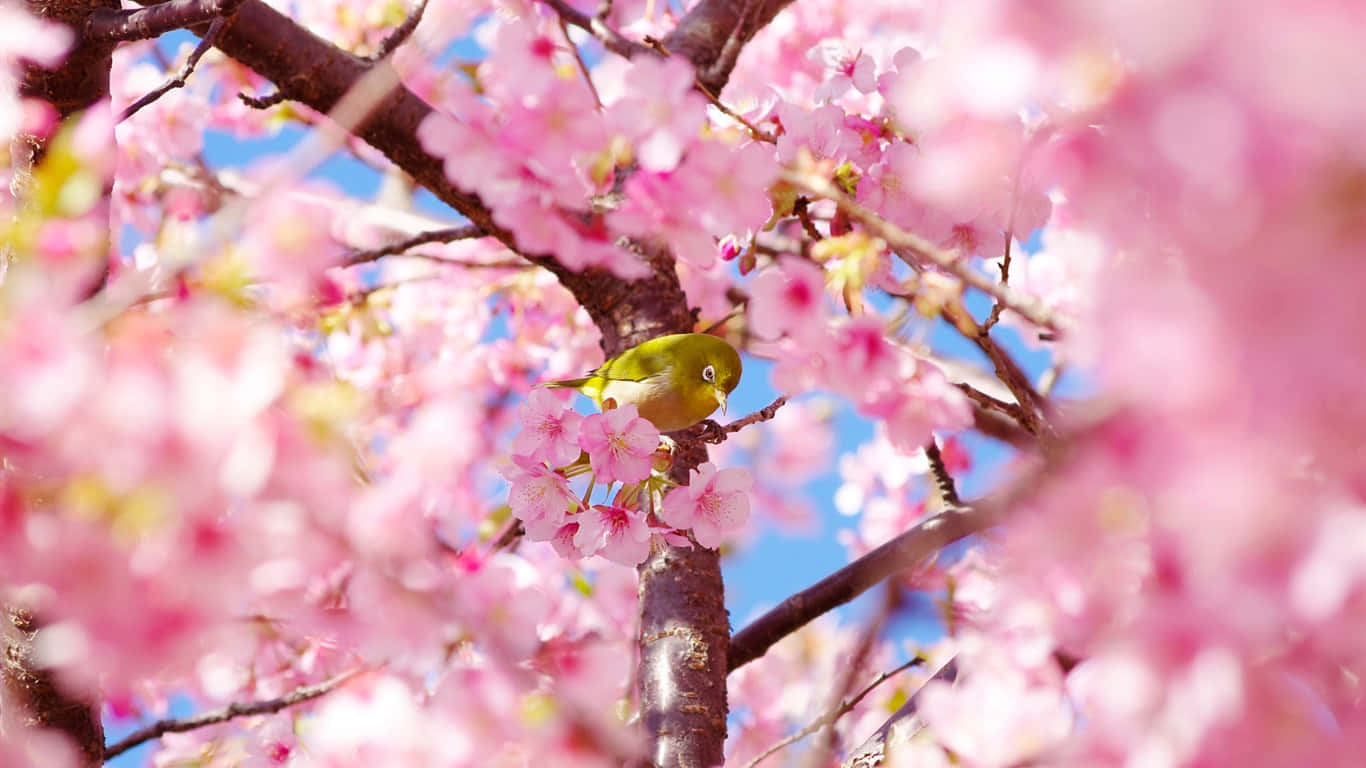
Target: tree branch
766	413
845	707
109	25
37	698
871	752
1032	405
401	33
237	709
907	549
949	261
712	34
947	490
312	71
180	78
450	234
596	26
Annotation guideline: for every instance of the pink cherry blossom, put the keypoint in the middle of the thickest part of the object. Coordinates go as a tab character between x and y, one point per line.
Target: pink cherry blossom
550	431
618	534
659	110
620	444
788	298
714	503
539	496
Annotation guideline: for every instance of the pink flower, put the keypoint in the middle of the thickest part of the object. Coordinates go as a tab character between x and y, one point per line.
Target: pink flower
1028	716
789	299
563	542
614	532
620	444
820	131
660	111
848	69
540	497
859	359
550	431
711	504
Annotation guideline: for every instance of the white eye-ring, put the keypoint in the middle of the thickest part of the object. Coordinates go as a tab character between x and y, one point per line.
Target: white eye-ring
709	374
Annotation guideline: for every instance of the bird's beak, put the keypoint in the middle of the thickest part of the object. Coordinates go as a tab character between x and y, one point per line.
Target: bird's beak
720	398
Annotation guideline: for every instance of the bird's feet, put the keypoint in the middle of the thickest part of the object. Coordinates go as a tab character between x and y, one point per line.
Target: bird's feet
708	431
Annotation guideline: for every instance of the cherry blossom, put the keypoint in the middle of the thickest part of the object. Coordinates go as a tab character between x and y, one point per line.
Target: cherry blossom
539	496
714	503
788	299
620	444
550	431
617	534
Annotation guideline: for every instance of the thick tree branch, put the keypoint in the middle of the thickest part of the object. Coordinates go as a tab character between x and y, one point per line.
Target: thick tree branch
82	77
712	34
236	709
37	697
904	551
109	25
308	69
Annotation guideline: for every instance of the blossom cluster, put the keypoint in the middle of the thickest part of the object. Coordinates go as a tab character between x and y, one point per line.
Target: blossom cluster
617	446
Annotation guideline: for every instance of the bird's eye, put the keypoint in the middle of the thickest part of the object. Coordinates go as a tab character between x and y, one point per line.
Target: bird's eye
709	374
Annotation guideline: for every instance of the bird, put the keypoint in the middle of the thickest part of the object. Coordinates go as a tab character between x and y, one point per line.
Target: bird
675	381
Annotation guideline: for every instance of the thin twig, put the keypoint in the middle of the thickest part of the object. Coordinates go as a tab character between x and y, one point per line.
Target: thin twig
447	235
583	68
824	747
180	78
1032	404
1026	306
236	709
906	720
997	307
262	102
802	209
763	414
947	490
108	25
400	34
754	131
989	403
1049	379
508	537
611	39
845	707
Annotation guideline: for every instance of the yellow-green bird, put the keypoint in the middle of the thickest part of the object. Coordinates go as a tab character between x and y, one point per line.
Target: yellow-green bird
675	381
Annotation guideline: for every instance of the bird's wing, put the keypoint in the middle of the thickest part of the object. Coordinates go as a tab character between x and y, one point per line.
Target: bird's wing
570	383
646	365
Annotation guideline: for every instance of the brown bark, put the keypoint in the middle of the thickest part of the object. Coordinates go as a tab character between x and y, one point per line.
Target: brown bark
37	695
82	78
713	33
